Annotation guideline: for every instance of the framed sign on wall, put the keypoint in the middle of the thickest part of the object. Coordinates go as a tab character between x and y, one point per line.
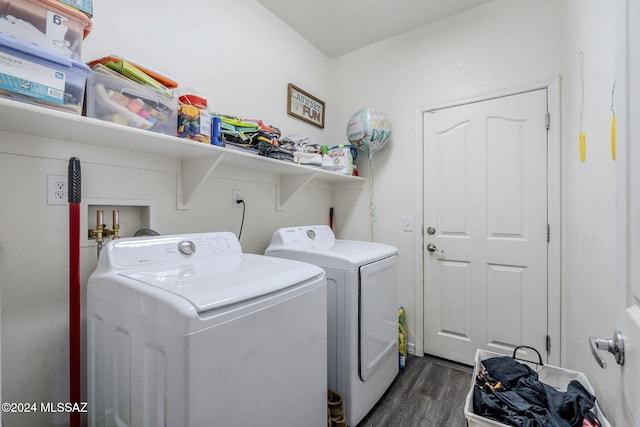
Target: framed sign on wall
305	106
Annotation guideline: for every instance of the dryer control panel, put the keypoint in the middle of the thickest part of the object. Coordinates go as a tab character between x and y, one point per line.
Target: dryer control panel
304	237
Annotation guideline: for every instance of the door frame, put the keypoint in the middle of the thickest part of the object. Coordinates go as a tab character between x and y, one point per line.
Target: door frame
555	207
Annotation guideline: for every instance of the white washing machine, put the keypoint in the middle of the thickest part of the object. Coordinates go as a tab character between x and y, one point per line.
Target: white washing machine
362	289
186	330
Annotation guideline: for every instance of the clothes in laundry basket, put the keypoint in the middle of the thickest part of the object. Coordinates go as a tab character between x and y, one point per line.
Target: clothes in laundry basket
510	392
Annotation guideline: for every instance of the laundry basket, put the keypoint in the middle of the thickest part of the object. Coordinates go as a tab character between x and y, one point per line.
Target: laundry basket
548	374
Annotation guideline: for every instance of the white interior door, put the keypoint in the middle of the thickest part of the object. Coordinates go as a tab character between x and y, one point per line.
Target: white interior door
485	205
628	178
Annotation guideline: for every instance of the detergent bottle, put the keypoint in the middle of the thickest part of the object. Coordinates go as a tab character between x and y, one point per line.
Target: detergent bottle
402	337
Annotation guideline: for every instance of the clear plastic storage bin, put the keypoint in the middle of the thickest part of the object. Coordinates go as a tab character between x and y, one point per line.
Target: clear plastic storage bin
117	99
49	24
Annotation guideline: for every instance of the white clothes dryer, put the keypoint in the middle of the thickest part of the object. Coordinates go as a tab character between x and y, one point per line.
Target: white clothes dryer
186	330
362	289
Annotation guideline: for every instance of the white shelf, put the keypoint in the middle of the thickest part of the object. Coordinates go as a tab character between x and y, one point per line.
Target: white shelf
198	160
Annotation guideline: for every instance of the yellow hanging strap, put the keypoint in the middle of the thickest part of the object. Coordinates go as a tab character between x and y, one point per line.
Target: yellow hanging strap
613	137
583	138
613	125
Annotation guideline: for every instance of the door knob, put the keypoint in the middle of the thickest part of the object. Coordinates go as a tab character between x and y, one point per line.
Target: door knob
614	346
431	247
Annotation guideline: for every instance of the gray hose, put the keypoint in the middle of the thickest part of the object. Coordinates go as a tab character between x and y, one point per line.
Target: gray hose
145	232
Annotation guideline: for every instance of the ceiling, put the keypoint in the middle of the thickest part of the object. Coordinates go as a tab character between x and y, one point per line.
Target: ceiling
337	27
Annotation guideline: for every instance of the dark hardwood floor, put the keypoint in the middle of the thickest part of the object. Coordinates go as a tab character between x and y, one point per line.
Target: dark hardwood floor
430	392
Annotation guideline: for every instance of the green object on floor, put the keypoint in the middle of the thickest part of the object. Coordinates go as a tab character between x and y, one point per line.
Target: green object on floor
402	337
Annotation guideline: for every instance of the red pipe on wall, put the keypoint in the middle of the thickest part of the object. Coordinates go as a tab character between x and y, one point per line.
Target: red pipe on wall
75	371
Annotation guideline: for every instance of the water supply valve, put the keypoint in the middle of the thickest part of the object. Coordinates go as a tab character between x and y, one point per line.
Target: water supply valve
100	232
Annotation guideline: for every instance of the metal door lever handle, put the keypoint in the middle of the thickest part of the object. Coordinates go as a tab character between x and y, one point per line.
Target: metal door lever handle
431	247
614	346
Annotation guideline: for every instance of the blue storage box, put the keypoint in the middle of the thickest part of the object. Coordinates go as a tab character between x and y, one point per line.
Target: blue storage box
32	74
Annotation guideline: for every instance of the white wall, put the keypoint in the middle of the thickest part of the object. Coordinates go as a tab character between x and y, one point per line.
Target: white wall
242	58
589	257
495	48
233	51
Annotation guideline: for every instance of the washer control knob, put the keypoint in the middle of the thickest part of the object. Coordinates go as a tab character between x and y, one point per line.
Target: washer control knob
187	247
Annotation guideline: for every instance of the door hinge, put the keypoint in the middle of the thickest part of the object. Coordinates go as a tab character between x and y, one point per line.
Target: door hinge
548	233
547	120
548	343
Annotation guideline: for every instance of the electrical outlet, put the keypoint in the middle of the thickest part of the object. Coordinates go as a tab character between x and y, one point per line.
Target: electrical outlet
235	196
57	191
